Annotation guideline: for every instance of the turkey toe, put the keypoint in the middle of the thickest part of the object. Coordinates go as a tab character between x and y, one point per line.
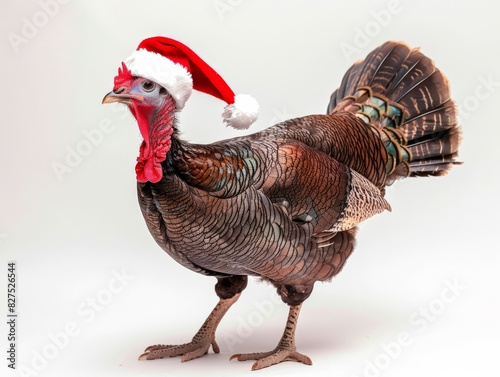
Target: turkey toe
187	351
266	359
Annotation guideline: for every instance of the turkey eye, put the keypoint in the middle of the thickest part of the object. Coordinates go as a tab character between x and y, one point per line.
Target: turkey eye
148	86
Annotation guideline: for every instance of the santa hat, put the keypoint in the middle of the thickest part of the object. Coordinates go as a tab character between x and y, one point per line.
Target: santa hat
179	70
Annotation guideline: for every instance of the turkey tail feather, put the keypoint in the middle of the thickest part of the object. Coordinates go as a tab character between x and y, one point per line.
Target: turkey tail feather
406	99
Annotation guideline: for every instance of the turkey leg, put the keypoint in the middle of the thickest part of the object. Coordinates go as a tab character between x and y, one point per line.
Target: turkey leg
285	350
229	290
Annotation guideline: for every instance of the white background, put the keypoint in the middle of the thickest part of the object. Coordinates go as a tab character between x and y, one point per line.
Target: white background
71	234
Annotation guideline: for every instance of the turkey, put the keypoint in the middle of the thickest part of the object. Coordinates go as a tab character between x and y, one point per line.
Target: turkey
282	204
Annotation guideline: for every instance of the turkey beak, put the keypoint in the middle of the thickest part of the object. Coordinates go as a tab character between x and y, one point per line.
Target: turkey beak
121	95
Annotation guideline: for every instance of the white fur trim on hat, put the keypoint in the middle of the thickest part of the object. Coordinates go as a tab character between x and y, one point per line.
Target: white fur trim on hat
242	113
174	77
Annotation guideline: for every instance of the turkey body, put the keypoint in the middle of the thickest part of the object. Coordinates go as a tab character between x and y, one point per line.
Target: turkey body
283	204
266	205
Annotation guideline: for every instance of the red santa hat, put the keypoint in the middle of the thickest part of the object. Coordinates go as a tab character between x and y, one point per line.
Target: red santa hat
179	70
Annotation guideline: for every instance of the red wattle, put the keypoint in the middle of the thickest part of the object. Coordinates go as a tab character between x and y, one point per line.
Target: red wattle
156	144
148	167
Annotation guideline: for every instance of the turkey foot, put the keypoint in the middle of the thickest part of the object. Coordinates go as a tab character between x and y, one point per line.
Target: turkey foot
284	351
199	346
189	351
266	359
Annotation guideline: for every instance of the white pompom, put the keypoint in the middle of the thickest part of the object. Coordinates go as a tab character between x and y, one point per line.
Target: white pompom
242	113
